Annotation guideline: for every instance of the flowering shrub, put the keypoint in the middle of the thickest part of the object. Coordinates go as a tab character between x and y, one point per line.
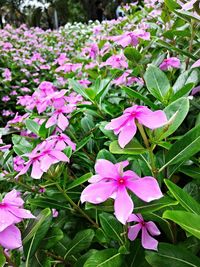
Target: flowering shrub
100	141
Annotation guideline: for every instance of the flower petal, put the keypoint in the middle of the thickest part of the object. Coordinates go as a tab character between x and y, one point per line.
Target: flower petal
152	119
117	123
133	218
36	172
123	205
21	213
106	169
10	238
59	155
146	188
127	133
133	231
152	228
148	242
51	121
62	122
98	193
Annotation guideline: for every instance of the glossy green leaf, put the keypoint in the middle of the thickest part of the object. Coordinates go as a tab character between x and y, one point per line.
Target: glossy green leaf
111	226
191	171
186	220
176	111
188	202
171	4
132	93
172	256
32	126
132	54
184	148
81	241
133	148
157	82
79	181
184	91
105	258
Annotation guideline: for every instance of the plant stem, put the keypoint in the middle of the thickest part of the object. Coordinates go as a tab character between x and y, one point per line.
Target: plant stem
143	134
191	42
76	207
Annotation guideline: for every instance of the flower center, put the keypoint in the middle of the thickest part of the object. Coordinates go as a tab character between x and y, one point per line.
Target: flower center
121	181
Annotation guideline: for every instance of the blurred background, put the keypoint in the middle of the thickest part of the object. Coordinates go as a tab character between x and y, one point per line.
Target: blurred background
50	14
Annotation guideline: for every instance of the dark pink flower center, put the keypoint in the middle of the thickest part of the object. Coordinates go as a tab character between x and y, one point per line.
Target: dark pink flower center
121	181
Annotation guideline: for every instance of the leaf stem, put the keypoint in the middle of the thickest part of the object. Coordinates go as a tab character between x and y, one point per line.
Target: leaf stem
76	207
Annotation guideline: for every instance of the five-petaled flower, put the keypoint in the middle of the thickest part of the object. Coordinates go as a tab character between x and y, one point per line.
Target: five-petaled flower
125	125
112	181
147	228
12	212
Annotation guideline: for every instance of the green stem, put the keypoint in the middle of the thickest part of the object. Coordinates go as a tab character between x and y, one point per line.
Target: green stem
76	207
191	42
143	134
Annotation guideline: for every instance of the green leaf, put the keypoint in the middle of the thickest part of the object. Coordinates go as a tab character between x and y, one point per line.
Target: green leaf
136	258
177	110
111	226
186	220
191	171
105	258
175	48
82	143
188	202
102	89
54	235
81	90
79	181
184	91
2	258
32	126
136	95
45	202
132	54
81	241
187	77
172	256
155	205
157	82
105	154
36	232
184	148
133	148
171	4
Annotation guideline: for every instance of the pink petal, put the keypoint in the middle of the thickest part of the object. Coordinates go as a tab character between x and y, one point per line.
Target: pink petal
196	64
133	218
133	231
10	238
98	192
21	213
6	219
152	228
124	41
146	188
13	198
51	121
148	242
152	119
117	123
127	133
106	169
60	145
59	155
46	162
95	179
62	122
123	205
36	170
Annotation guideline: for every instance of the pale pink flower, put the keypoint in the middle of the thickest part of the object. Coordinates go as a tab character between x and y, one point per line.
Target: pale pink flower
173	62
112	181
58	118
18	163
41	159
125	125
148	229
11	212
116	61
7	75
62	141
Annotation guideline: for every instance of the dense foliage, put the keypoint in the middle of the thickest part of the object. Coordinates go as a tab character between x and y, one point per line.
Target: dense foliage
101	141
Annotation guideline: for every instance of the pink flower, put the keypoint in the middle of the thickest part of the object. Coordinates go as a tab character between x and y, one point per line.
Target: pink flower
7	75
116	61
62	141
59	118
148	229
196	64
18	163
125	79
112	181
125	125
173	62
189	5
11	212
41	159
